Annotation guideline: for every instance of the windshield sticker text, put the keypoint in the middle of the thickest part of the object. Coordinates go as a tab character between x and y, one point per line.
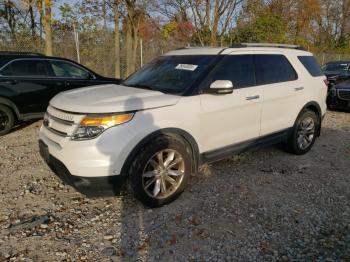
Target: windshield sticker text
188	67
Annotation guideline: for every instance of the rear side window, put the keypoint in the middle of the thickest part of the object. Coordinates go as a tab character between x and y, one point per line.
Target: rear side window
31	68
311	65
273	69
239	69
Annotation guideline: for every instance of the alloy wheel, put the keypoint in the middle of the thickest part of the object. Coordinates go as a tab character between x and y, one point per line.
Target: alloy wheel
306	133
163	173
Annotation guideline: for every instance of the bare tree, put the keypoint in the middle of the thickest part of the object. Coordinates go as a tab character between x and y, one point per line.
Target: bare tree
212	18
47	27
136	11
10	15
116	38
44	7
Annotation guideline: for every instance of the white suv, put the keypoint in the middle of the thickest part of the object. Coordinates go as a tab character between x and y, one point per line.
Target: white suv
185	108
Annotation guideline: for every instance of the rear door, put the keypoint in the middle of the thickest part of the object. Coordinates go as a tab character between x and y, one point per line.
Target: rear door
29	84
281	90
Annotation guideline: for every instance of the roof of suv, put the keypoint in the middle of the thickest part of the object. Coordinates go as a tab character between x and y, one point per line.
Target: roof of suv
228	50
6	56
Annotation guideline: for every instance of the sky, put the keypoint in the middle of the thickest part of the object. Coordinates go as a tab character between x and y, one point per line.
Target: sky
58	3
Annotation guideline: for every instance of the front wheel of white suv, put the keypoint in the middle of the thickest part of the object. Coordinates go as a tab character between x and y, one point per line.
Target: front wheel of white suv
304	133
160	171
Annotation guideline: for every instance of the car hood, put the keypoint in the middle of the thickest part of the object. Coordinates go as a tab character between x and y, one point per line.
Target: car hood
343	85
111	99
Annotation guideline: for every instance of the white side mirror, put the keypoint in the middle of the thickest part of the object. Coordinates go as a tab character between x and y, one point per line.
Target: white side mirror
221	87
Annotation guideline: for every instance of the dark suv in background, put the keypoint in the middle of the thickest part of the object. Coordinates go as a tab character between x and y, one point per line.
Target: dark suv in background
338	76
29	80
336	71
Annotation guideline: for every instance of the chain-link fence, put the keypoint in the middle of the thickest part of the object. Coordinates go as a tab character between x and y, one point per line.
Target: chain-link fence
96	49
92	49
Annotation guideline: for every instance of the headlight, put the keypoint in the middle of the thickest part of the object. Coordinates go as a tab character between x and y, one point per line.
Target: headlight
92	126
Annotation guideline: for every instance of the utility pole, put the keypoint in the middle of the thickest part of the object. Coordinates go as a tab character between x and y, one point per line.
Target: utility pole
76	40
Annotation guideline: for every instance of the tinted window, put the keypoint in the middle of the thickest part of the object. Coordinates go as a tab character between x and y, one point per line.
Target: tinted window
335	66
239	69
311	65
273	69
170	74
26	68
65	69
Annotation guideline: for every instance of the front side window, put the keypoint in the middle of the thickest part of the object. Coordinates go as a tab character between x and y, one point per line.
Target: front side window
273	69
69	70
239	69
31	68
170	74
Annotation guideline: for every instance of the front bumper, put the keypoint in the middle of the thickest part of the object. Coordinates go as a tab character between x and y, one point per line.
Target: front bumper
90	186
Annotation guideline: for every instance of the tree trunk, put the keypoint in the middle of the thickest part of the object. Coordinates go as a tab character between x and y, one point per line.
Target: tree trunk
345	25
32	21
105	34
134	48
214	29
116	39
48	30
129	48
11	20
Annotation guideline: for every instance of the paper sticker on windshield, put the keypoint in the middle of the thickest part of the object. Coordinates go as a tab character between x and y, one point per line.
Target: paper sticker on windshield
188	67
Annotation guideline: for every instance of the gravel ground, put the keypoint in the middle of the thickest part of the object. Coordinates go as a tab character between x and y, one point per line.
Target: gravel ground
263	205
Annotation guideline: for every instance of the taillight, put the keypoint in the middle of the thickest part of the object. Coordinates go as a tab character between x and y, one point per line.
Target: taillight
326	82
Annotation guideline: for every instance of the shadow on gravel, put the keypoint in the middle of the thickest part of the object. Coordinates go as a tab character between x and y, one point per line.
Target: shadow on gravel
21	125
131	245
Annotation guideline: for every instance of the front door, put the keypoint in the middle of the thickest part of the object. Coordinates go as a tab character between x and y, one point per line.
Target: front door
73	75
232	118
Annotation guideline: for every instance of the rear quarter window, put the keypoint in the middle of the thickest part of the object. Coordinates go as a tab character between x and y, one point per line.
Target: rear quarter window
311	65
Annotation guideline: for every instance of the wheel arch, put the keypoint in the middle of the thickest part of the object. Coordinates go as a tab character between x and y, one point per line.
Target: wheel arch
7	102
315	107
188	138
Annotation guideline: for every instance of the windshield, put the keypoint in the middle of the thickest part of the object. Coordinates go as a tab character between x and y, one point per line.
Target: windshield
170	74
335	67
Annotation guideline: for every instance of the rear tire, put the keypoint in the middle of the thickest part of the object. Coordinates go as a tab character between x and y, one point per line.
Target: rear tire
7	120
160	171
304	133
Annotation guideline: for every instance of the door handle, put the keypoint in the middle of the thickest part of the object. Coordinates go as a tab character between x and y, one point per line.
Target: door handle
252	97
298	88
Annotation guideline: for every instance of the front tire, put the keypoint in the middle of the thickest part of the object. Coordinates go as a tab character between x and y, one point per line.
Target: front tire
160	171
7	120
304	133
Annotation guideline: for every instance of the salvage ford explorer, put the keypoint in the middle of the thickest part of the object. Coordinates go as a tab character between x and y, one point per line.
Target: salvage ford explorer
185	108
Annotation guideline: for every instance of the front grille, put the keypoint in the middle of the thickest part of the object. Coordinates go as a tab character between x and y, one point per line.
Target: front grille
58	124
59	133
344	94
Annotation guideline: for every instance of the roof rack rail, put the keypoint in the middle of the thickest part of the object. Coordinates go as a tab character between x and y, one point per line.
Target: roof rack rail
20	53
266	45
